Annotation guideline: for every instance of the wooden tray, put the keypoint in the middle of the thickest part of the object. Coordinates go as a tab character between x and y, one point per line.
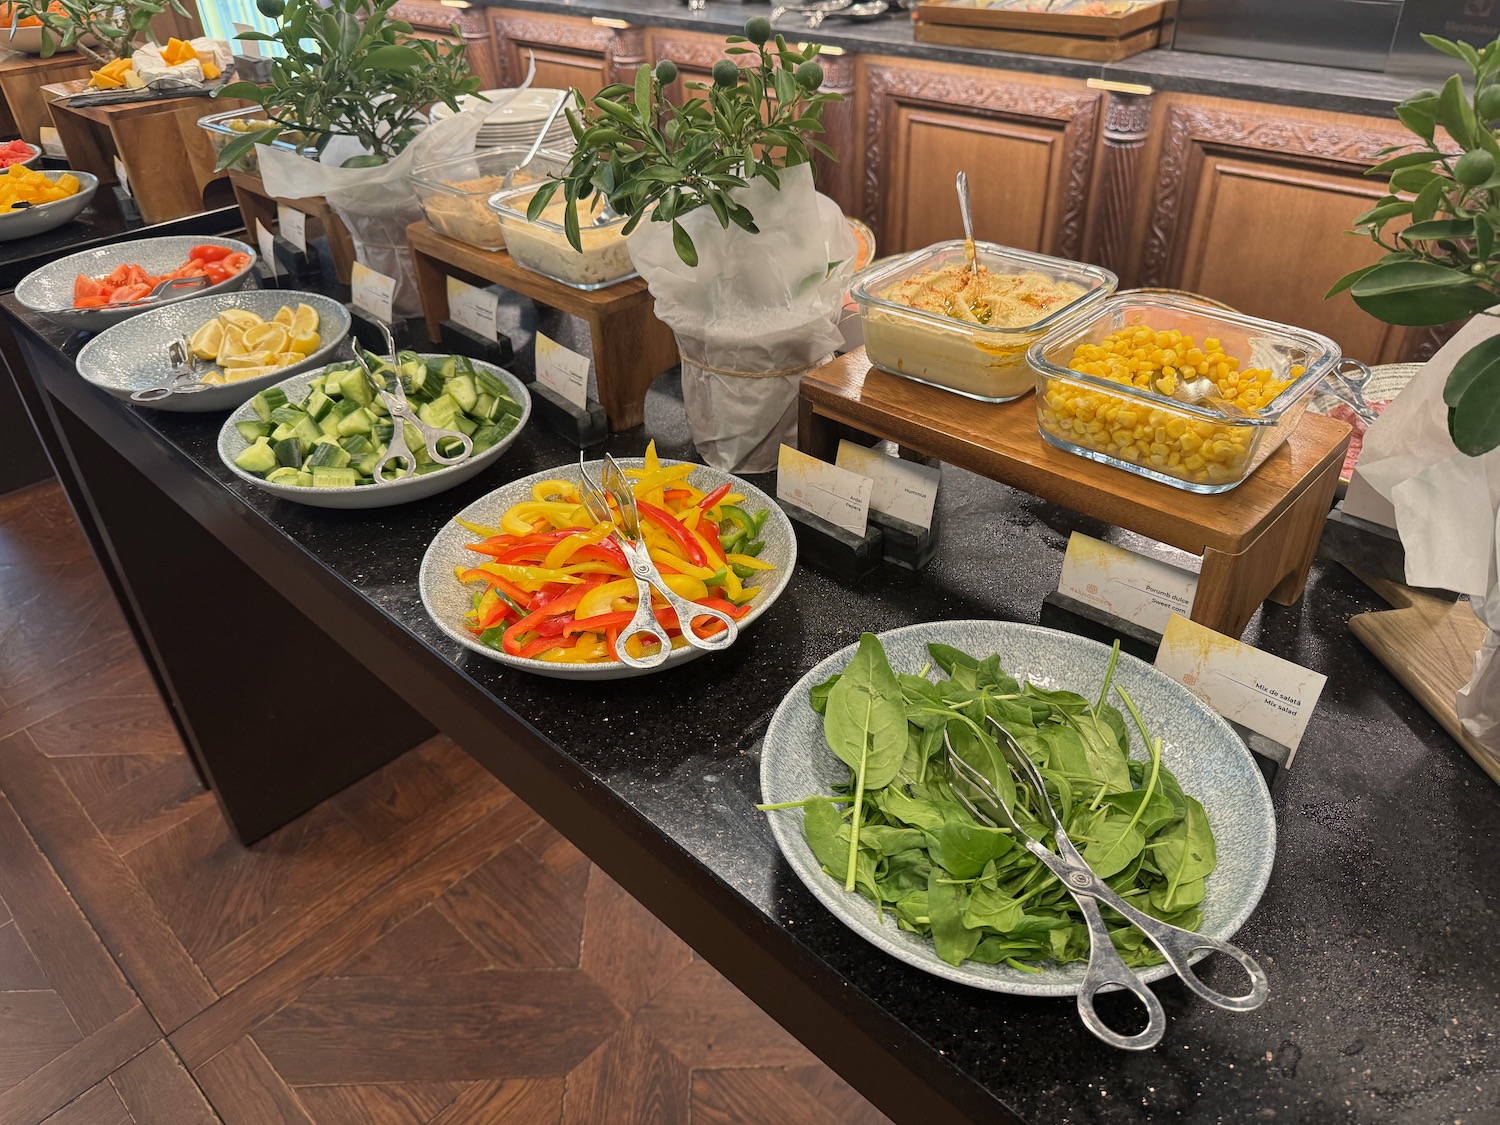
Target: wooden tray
1032	43
934	12
1257	541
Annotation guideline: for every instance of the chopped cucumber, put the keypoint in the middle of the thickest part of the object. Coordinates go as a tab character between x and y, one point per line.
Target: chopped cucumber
334	478
356	444
440	412
252	430
289	453
283	475
317	405
354	385
257	458
288	413
490	384
328	455
307	431
462	388
357	423
267	401
329	426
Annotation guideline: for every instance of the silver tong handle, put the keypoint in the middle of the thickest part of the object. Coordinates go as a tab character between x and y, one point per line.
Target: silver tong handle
433	435
643	624
688	611
1107	969
1177	945
1346	383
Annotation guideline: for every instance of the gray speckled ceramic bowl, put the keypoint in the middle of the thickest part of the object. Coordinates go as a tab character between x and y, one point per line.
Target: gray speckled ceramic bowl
49	216
232	443
49	290
1206	755
132	355
447	600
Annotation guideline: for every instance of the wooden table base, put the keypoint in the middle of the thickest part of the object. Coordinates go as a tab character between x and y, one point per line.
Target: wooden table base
168	160
1257	541
256	204
21	81
631	347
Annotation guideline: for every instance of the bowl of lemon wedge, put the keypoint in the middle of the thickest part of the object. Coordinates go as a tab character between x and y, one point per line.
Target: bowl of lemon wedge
237	343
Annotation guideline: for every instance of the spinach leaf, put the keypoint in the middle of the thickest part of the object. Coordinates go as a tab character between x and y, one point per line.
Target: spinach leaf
1114	841
908	810
865	725
948	658
978	749
989	906
818	697
945	906
963	847
1185	850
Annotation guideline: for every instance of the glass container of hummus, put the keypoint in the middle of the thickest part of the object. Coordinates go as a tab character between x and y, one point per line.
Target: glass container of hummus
543	245
455	192
1108	388
926	317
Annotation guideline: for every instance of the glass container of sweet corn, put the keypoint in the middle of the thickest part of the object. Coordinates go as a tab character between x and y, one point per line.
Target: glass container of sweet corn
1106	381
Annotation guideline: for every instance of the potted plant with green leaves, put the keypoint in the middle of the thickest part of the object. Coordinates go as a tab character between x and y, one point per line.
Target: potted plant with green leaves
748	263
100	30
354	86
1432	454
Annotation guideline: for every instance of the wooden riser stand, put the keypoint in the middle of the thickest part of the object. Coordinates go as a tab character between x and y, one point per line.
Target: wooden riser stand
256	204
631	347
1257	541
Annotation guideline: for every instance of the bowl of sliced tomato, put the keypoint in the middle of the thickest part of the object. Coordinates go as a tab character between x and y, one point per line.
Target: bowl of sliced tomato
95	289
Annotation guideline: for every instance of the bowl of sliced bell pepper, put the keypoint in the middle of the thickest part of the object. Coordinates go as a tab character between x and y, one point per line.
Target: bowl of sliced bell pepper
526	577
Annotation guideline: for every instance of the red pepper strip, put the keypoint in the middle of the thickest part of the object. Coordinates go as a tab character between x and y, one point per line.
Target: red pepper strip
674	529
676	494
511	640
498	544
606	550
609	642
553	626
530	553
492	610
506	587
710	532
602	621
734	611
674	627
713	498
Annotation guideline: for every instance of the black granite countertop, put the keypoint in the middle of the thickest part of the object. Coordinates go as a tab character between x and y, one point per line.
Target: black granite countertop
1378	929
1314	87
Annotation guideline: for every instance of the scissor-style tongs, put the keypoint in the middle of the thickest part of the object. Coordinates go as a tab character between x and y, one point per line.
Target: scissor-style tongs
1106	967
626	532
393	397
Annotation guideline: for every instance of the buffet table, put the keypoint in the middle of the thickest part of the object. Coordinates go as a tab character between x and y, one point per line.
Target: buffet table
1375	930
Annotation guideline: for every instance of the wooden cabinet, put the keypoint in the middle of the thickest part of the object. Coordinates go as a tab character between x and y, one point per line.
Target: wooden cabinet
570	52
1251	204
431	19
1028	143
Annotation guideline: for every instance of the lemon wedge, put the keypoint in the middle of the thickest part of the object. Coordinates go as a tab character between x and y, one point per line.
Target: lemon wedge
306	344
304	322
206	341
267	338
283	316
234	375
259	358
232	344
240	318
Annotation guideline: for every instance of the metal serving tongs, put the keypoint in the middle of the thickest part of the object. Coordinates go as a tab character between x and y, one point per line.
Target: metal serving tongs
627	533
1106	967
393	397
184	378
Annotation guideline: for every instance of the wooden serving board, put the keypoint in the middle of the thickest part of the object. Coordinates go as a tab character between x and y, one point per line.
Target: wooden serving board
1095	49
1428	643
1056	23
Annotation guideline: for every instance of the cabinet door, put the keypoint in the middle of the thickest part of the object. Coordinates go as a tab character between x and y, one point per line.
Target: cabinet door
1028	143
586	54
1251	205
431	19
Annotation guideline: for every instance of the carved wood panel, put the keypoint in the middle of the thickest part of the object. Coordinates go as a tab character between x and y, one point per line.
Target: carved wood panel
1250	205
437	21
1028	145
569	51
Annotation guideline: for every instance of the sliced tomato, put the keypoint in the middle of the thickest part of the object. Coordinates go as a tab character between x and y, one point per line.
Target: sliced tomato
129	293
236	262
116	277
211	253
86	286
216	273
95	302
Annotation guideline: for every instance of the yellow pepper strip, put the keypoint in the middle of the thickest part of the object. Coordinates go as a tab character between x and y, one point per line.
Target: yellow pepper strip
479	529
691	517
588	649
751	561
733	498
667	558
732	588
652	462
686	586
708	552
593	566
563	551
559	514
554	490
660	479
529	577
601	599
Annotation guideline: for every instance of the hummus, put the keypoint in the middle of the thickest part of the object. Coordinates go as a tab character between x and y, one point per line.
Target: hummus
543	245
956	334
462	211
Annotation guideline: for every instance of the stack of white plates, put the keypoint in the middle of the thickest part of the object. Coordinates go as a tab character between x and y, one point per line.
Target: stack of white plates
516	118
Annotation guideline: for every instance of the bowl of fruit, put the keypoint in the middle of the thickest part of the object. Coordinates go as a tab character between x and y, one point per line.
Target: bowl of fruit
96	289
18	152
238	344
33	202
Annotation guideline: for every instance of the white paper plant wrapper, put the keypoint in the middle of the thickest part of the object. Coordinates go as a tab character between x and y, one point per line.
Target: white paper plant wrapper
1446	506
377	204
755	303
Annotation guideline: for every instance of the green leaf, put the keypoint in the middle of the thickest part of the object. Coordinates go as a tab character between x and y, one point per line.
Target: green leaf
1419	119
1458	50
1423	159
1347	280
1455	113
1474	424
395	58
240	145
683	244
1418	294
1114	842
953	941
963	847
1434	229
1412	179
1484	238
1429	199
1479	365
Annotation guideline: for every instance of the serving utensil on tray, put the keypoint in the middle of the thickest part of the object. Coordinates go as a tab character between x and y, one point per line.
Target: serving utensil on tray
184	379
393	398
1106	968
625	526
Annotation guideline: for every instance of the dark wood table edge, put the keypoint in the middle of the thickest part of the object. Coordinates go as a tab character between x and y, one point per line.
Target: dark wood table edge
868	1047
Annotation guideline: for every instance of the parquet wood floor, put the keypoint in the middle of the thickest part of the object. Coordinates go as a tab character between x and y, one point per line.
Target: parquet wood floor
420	950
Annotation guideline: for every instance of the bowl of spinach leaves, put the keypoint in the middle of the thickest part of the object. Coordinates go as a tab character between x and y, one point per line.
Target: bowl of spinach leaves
1160	795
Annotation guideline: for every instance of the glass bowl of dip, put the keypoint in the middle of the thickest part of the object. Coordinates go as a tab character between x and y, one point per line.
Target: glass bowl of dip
542	244
919	326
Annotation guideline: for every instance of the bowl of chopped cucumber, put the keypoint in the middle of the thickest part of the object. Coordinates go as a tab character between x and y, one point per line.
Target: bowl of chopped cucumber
317	437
